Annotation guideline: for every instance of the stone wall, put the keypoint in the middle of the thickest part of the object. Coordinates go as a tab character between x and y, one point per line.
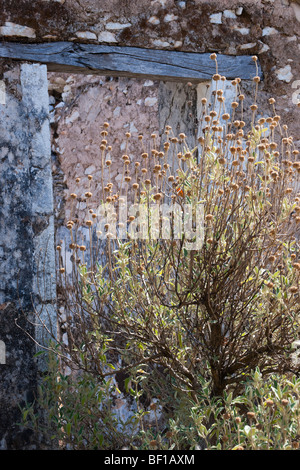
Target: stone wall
79	106
268	28
26	241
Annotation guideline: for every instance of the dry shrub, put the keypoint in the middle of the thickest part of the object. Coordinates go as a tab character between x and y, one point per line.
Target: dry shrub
152	300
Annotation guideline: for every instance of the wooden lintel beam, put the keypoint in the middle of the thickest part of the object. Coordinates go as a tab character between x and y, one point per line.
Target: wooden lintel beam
130	61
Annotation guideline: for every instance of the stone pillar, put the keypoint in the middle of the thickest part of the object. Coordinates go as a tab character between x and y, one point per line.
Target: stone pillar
27	254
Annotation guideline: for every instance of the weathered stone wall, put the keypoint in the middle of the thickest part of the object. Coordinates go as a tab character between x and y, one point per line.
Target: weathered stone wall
268	28
79	105
26	240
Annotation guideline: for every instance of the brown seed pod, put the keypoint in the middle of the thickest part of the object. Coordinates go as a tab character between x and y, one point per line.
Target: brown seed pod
293	289
216	77
153	443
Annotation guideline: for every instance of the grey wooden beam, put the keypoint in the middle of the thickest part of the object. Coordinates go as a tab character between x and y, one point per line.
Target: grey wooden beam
129	61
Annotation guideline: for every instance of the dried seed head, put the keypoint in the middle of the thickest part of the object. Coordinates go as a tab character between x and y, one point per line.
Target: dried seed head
293	289
216	77
226	116
269	403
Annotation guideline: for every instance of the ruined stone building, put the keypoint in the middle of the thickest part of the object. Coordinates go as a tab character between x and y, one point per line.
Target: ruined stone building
57	89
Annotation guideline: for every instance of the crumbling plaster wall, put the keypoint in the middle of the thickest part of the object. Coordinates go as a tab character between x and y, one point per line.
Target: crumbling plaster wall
268	28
